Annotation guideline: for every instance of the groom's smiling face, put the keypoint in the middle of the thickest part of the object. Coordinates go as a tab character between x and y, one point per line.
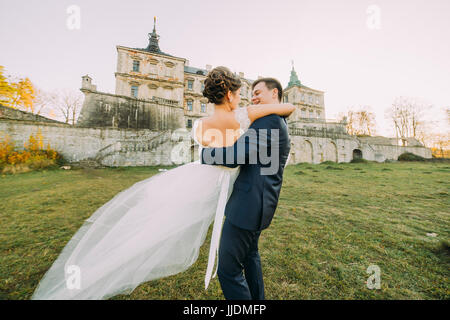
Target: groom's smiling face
263	95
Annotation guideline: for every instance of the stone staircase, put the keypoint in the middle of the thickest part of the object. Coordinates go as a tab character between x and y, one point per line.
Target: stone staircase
132	146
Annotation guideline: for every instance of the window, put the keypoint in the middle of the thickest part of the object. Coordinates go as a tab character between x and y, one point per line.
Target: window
310	99
189	105
189	123
203	107
153	69
318	114
134	91
303	97
317	99
190	84
311	114
169	72
303	113
286	99
136	65
203	86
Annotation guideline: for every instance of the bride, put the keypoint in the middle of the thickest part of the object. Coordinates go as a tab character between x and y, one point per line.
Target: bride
156	227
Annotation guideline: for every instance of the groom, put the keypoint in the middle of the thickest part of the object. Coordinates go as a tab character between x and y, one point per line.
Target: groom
252	204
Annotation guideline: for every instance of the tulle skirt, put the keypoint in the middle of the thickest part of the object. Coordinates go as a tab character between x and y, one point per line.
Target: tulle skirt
151	230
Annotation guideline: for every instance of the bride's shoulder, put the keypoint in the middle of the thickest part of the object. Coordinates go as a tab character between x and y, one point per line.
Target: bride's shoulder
201	122
198	128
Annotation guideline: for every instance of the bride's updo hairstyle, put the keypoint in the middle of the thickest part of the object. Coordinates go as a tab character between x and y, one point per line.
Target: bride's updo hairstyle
217	84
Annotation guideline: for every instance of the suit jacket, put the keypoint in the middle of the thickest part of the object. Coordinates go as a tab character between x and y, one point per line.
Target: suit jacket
254	199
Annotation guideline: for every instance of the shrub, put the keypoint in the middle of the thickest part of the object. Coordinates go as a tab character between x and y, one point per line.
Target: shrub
328	162
359	160
32	157
408	156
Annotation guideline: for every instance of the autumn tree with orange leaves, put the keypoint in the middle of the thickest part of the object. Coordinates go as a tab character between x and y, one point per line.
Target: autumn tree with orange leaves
16	92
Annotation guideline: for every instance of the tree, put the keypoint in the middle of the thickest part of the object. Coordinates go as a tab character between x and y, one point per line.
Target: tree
24	93
407	116
42	104
67	104
6	89
361	121
441	145
16	93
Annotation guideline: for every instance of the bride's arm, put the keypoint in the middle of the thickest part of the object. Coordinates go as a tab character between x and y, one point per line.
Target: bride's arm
256	111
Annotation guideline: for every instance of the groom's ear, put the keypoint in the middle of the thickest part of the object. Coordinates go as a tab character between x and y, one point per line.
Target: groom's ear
275	93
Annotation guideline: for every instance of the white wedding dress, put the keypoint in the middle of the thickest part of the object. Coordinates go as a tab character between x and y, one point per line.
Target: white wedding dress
151	230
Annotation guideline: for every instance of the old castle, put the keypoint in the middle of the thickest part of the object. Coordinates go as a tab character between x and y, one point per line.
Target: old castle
157	97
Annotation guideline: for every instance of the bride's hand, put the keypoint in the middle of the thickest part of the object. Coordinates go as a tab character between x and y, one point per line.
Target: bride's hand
286	109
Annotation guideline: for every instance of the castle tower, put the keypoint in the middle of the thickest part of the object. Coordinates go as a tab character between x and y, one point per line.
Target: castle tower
149	73
86	83
309	102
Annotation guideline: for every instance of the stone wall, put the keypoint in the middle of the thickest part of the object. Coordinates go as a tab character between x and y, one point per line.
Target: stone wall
144	147
107	146
114	111
15	114
316	146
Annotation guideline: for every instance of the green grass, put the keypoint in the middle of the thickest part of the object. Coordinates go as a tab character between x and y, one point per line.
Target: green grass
333	221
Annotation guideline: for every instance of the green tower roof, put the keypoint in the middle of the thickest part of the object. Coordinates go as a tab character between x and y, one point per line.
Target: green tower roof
293	81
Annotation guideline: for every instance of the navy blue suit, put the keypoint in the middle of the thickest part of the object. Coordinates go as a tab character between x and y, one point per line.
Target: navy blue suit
252	204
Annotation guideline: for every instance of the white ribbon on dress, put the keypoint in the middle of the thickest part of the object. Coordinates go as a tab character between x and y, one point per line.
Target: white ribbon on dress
218	220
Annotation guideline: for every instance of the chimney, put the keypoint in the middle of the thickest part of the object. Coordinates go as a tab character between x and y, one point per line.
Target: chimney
241	74
186	63
208	67
260	77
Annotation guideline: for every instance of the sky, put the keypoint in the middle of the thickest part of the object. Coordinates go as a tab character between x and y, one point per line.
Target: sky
359	52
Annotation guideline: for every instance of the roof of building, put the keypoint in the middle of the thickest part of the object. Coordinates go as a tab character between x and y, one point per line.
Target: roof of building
153	43
194	70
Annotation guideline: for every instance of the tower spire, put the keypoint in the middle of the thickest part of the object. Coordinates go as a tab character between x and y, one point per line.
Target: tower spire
293	81
153	45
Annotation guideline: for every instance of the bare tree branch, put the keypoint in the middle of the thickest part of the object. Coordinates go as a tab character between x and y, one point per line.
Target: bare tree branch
406	115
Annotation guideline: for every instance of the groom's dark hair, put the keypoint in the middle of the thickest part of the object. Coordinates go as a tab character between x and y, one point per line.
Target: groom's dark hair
271	83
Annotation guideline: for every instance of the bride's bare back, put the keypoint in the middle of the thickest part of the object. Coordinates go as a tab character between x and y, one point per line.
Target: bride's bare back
222	129
218	130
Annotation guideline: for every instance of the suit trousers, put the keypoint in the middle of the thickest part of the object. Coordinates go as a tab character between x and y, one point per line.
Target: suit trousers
238	252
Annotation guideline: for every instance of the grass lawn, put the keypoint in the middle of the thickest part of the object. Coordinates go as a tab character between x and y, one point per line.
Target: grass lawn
333	221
